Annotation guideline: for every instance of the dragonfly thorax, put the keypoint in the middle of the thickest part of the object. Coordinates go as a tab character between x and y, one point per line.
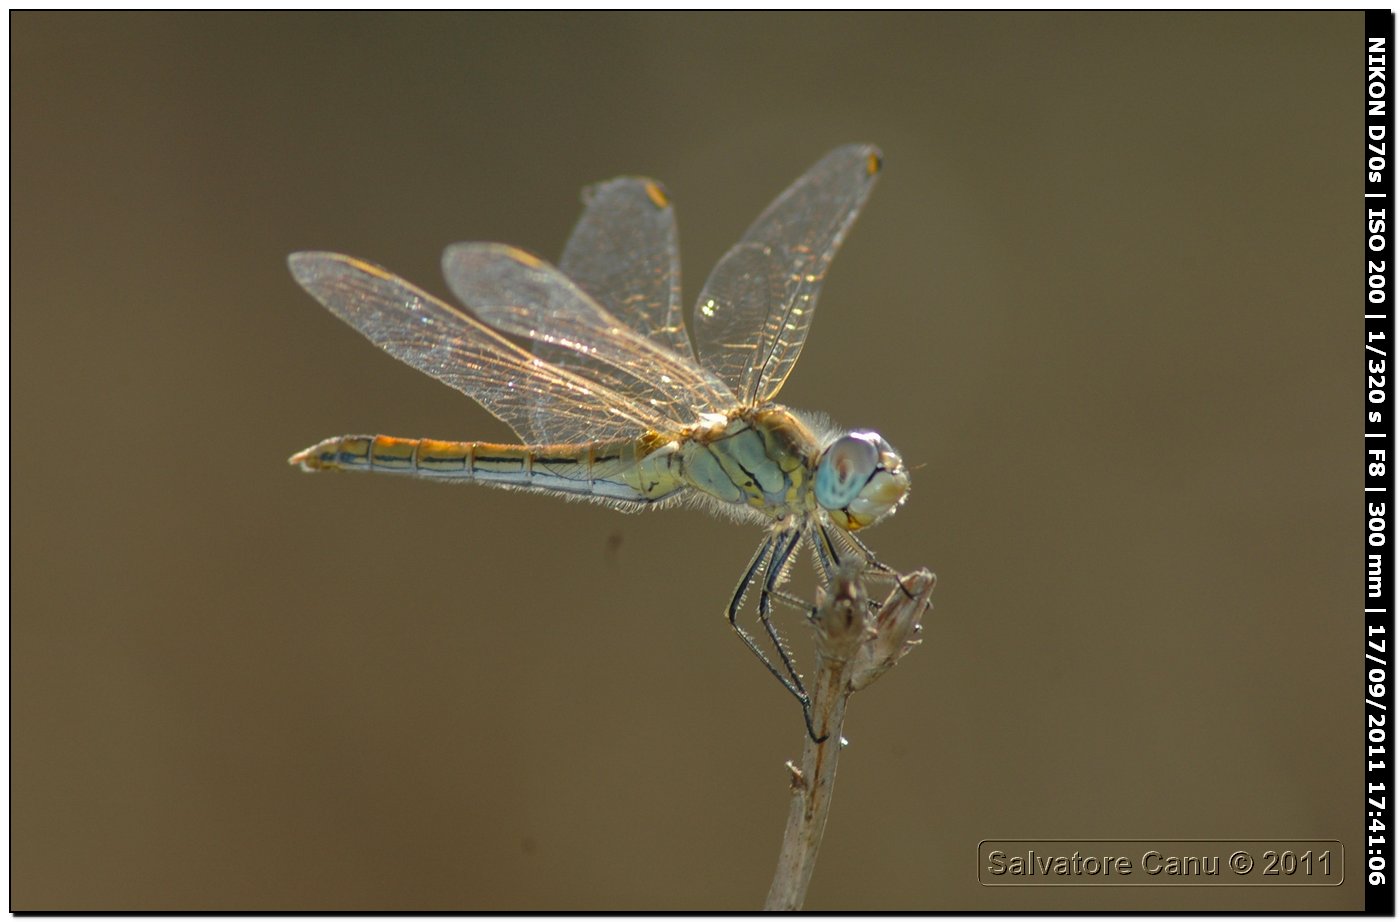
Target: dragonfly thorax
770	461
761	459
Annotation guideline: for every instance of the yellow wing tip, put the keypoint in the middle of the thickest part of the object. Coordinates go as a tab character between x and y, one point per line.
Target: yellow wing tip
657	194
367	268
530	260
306	264
873	163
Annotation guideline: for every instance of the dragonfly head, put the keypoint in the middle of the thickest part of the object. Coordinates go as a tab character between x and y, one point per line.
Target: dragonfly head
860	480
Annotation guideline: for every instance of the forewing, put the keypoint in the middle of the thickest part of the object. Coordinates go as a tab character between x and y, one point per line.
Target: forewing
518	293
623	254
757	305
438	339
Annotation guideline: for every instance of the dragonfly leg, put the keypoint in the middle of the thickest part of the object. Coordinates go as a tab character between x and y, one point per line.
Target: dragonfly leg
782	552
871	561
737	603
830	561
873	564
772	557
792	601
825	550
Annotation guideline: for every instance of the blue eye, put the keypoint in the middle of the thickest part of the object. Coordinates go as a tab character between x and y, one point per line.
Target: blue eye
844	470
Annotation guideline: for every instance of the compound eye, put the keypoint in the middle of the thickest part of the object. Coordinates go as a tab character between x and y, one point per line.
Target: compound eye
844	470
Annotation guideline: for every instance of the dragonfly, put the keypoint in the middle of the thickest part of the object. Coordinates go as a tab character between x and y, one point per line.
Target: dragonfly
613	403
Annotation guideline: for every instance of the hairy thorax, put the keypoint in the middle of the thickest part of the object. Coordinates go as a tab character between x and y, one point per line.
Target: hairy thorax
761	458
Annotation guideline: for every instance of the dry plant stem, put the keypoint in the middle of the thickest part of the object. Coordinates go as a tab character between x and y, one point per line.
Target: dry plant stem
839	629
853	649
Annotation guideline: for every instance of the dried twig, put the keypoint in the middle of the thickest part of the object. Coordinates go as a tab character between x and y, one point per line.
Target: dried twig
854	648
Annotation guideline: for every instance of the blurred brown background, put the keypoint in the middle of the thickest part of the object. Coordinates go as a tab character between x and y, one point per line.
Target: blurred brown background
1104	298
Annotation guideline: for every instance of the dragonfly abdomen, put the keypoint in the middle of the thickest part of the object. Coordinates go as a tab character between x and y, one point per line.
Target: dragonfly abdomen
604	470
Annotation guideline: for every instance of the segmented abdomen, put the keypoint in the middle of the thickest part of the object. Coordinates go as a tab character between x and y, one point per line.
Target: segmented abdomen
606	470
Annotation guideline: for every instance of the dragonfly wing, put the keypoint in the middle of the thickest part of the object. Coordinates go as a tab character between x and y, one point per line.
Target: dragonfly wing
518	293
623	254
757	305
440	340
